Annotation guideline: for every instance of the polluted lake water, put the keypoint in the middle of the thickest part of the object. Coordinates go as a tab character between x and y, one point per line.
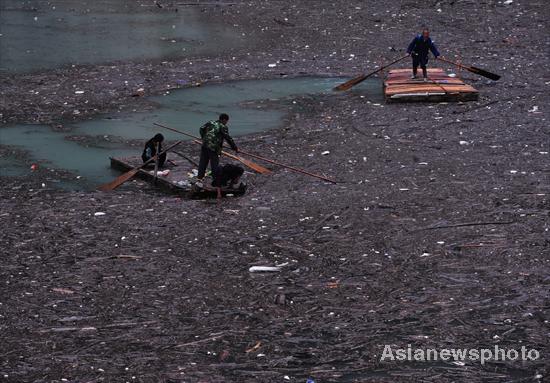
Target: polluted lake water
84	148
40	34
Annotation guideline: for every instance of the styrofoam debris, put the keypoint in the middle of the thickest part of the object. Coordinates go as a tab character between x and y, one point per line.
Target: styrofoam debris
99	213
264	269
161	173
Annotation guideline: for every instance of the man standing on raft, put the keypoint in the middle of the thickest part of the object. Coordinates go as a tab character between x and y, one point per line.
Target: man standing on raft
213	134
419	49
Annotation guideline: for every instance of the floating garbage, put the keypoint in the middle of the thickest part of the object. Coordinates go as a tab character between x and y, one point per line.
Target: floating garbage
161	173
264	269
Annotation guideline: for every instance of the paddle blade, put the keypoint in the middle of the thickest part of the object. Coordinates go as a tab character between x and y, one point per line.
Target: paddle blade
348	84
484	73
254	166
118	181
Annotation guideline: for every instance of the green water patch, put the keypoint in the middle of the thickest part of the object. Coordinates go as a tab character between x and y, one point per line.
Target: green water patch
185	109
51	149
42	34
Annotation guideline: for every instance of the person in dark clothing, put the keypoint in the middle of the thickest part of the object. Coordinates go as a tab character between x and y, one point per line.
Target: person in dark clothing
419	49
213	134
150	149
227	176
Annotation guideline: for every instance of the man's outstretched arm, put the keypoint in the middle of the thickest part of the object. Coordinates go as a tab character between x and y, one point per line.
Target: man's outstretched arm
229	139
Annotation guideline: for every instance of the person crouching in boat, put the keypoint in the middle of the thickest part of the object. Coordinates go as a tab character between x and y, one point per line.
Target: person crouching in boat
227	176
213	134
151	147
419	49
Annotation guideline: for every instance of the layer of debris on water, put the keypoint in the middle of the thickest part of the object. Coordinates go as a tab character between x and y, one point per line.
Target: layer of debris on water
437	235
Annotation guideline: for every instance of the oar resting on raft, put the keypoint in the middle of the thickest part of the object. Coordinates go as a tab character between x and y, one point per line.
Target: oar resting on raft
131	173
252	165
354	81
297	170
472	69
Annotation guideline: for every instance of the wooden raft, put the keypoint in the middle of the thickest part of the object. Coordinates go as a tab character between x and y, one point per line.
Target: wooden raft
178	181
399	87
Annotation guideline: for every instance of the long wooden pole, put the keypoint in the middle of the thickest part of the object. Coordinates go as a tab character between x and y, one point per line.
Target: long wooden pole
297	170
187	158
156	161
252	165
354	81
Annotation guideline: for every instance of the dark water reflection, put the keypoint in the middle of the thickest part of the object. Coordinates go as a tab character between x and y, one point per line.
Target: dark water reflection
40	34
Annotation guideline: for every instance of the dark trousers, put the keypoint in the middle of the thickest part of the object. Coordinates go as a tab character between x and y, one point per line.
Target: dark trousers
422	61
207	156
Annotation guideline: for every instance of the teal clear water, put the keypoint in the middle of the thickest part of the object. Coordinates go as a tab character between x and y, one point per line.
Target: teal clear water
46	34
50	149
184	109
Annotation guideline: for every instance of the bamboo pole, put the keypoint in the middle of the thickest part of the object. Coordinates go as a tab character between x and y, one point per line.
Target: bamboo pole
297	170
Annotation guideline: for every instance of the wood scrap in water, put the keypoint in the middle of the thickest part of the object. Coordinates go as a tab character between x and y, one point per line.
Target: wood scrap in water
469	224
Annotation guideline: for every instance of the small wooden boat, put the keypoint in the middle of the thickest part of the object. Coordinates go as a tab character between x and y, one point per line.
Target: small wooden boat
399	87
175	178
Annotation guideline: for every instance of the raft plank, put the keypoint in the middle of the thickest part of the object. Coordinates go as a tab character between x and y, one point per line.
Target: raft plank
169	183
399	87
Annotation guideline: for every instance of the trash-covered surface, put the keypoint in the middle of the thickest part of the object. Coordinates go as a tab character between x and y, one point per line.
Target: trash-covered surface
427	242
437	237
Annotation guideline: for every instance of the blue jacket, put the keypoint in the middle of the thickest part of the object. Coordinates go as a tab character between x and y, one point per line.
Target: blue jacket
421	47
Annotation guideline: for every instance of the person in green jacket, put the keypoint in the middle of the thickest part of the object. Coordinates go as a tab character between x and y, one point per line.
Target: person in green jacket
213	134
